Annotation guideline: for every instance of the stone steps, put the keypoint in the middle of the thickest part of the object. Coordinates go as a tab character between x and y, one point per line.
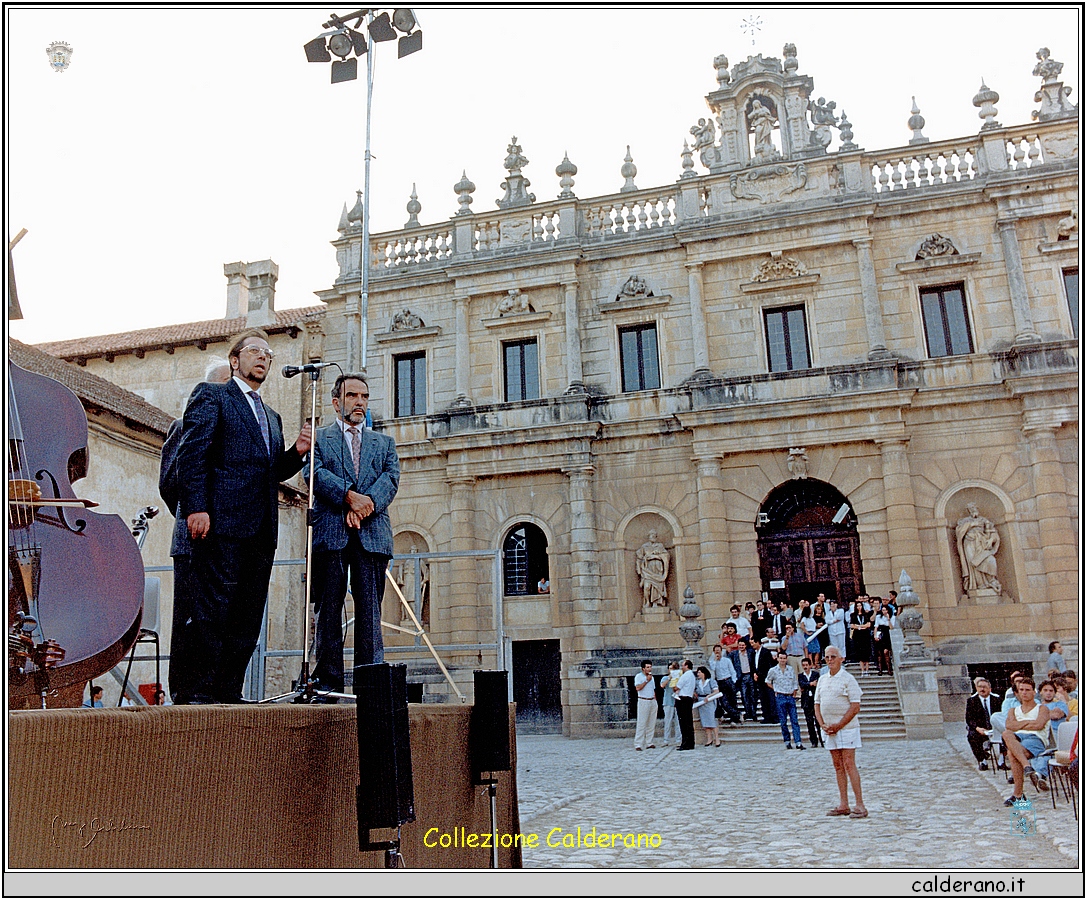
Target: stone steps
881	715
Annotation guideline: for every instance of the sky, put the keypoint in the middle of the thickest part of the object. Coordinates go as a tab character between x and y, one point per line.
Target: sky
180	139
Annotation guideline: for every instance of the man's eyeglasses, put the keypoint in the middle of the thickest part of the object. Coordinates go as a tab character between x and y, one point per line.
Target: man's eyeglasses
259	352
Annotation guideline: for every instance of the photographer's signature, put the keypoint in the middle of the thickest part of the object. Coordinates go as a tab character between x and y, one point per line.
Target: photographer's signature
88	830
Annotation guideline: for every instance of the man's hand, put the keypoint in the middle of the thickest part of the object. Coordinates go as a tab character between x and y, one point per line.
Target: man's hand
354	520
199	525
305	439
359	503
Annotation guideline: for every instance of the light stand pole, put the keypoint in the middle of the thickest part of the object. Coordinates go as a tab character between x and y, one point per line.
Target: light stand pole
343	41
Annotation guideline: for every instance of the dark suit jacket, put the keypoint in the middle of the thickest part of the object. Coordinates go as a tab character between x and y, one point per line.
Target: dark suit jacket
734	655
975	712
764	662
170	490
378	478
224	467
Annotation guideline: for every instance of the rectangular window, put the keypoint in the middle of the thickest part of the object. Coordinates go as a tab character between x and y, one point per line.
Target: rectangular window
946	327
1071	292
522	367
411	384
638	358
787	339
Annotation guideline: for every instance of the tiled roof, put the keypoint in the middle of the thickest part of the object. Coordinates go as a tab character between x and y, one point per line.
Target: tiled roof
91	389
171	335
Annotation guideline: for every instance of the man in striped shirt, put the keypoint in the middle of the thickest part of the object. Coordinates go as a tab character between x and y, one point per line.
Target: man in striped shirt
786	689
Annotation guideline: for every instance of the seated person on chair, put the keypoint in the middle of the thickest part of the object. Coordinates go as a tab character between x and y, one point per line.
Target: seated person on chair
979	709
1025	737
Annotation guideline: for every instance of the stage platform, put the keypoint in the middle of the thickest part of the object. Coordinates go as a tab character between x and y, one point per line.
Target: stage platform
239	787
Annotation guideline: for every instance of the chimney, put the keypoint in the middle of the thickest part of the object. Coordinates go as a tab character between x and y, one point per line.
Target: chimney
237	290
262	276
251	291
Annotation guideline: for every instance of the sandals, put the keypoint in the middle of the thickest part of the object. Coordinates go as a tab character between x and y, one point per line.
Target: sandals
859	813
838	811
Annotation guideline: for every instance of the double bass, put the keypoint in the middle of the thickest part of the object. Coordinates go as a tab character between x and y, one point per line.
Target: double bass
75	577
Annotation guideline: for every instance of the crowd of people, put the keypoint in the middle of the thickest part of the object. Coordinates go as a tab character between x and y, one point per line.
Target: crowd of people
1021	726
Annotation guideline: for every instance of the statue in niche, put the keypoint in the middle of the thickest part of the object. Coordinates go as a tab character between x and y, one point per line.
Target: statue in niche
515	302
798	462
651	562
978	543
936	245
823	118
634	287
762	124
705	136
406	320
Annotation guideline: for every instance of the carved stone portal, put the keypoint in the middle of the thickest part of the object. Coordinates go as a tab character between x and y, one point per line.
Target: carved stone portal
651	562
978	543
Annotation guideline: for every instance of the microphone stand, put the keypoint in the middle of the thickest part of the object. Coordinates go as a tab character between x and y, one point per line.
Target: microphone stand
304	691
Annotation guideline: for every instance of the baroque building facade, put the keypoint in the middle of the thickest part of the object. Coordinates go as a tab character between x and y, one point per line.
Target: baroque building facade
795	369
798	370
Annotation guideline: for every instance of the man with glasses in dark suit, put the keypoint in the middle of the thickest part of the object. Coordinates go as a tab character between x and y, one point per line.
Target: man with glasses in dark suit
230	463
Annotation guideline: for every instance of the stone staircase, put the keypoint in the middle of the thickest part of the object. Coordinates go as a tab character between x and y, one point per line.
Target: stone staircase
881	715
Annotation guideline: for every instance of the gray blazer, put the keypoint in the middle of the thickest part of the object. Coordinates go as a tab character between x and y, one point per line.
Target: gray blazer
378	478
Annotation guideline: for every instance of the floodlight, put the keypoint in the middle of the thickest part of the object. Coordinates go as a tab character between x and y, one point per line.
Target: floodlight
316	52
409	43
359	42
403	20
345	70
341	44
381	29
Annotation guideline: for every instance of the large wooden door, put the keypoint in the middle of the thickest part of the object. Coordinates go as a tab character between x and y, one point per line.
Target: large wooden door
537	686
810	560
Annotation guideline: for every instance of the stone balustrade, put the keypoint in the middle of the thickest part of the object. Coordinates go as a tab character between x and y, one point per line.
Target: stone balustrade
702	198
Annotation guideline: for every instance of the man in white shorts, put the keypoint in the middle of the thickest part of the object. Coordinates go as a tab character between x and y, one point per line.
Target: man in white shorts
837	703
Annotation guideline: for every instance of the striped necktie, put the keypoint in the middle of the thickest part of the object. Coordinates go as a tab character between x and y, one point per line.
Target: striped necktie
262	418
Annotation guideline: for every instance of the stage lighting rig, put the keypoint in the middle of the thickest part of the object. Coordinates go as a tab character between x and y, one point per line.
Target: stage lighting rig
343	39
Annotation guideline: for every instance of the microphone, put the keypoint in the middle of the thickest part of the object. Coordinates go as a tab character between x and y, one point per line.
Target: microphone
291	371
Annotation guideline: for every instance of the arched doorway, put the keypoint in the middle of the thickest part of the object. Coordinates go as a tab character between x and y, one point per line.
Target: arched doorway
808	543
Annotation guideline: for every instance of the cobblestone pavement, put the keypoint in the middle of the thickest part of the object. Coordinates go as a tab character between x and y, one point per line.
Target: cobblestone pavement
928	806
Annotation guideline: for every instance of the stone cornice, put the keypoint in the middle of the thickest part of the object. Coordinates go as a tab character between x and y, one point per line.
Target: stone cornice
937	262
779	284
393	337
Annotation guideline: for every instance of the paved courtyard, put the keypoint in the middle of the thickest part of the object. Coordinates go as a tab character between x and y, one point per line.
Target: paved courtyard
928	806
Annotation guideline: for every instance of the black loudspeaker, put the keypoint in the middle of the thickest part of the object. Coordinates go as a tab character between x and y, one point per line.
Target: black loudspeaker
490	734
385	795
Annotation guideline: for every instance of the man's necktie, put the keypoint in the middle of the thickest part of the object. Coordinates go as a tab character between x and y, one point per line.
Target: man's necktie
262	418
356	447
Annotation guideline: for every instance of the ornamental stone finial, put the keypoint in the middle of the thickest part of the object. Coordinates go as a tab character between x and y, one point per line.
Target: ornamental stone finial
916	123
910	619
343	224
687	155
628	171
985	100
720	63
464	189
355	216
845	134
691	630
414	207
566	171
790	64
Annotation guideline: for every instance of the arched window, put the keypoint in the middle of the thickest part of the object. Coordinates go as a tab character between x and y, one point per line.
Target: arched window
524	559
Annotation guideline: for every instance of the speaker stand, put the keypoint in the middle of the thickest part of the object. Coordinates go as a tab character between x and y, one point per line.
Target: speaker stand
492	793
394	859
